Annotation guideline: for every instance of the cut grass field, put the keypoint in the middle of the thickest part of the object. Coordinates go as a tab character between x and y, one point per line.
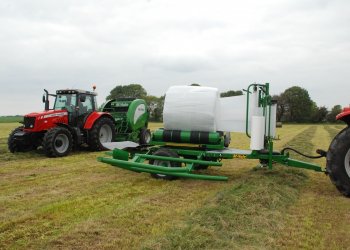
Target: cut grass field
77	202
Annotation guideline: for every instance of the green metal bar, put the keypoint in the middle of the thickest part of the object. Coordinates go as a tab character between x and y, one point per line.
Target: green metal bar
165	158
131	164
187	175
300	164
285	160
139	167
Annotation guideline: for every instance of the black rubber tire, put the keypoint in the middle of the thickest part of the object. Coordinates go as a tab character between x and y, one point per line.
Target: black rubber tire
13	146
336	154
227	139
168	153
94	141
145	136
51	142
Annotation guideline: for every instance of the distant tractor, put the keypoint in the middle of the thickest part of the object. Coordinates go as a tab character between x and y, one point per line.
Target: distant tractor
338	156
74	120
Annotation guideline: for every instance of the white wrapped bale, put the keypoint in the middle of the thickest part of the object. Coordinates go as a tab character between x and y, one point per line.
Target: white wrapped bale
191	108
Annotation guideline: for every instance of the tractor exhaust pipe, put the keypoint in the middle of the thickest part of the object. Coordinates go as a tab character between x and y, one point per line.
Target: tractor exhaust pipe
46	99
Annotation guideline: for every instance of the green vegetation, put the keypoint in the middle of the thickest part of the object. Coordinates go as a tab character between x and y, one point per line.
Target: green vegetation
231	93
130	91
9	119
295	105
77	202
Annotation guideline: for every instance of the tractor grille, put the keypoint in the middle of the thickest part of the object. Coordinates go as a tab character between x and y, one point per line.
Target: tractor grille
29	122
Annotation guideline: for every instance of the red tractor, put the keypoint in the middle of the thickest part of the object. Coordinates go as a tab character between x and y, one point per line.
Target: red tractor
73	121
338	156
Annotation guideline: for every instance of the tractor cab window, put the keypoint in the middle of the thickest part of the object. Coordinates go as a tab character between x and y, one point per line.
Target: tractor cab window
66	101
87	106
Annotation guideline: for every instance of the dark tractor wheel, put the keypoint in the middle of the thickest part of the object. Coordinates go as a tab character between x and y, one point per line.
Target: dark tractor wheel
57	142
102	131
169	164
338	161
227	139
145	136
14	145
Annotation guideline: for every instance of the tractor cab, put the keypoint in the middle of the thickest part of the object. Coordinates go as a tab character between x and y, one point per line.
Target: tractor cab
75	100
78	103
72	100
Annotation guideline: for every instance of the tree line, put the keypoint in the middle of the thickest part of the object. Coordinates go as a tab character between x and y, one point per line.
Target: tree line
293	105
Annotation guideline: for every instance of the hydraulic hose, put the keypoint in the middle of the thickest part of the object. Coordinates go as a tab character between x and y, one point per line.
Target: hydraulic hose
321	153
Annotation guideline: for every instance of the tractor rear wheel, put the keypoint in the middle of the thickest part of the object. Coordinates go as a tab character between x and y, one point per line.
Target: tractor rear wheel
102	131
161	163
145	136
14	146
57	142
338	161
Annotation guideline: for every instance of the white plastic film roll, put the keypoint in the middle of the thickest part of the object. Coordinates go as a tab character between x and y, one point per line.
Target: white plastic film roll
254	108
272	120
254	103
257	133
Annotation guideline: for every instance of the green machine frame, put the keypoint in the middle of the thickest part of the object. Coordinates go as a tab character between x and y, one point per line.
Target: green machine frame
189	157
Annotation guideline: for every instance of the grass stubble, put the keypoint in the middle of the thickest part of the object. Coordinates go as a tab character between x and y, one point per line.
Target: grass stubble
76	202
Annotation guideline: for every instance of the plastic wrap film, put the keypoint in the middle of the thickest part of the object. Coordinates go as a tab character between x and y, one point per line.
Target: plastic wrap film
258	133
191	108
231	114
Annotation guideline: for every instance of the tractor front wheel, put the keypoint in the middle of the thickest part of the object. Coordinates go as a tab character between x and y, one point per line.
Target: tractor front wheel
161	163
14	145
338	161
103	131
57	142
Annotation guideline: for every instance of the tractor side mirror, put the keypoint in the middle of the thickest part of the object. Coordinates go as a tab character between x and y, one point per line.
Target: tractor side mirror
44	99
82	98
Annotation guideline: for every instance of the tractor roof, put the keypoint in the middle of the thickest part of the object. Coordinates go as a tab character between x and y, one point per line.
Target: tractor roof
75	91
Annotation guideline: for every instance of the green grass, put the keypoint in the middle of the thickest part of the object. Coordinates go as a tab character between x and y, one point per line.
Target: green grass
77	202
247	214
11	119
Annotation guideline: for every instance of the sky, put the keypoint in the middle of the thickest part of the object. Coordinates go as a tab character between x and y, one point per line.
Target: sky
227	44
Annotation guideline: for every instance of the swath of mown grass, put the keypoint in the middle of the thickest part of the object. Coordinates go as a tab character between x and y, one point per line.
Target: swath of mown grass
248	214
333	130
320	218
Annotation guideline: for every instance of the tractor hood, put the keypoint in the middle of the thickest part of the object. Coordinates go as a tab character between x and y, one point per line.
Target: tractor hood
48	114
43	121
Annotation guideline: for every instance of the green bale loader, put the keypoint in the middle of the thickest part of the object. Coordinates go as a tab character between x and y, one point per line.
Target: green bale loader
131	119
